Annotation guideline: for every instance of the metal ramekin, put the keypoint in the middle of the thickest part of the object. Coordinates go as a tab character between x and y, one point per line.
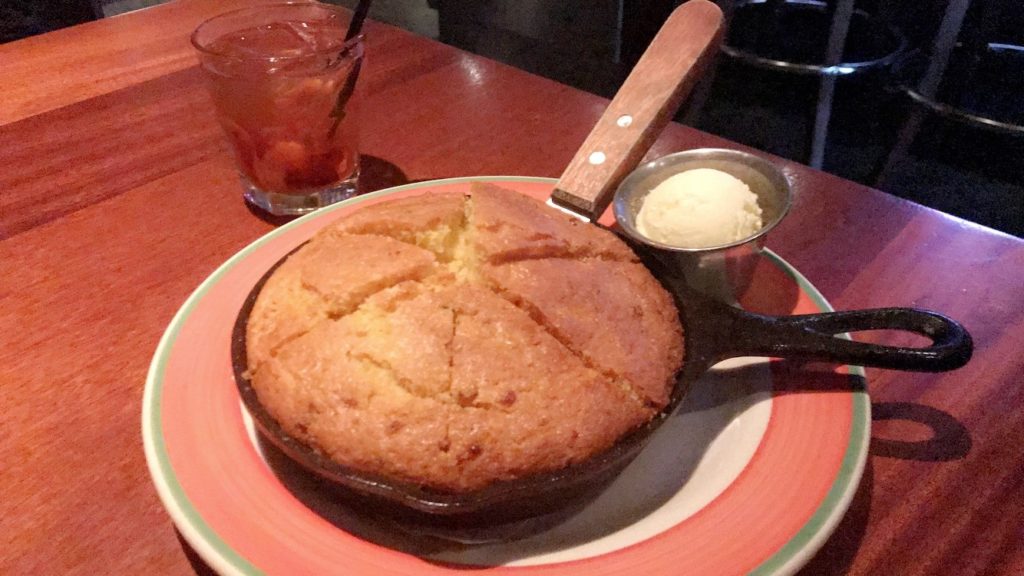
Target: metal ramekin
725	271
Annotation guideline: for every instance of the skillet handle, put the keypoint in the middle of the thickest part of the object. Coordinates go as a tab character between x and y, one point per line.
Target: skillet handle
812	337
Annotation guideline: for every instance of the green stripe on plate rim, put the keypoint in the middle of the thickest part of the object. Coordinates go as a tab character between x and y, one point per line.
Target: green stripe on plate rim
812	536
225	559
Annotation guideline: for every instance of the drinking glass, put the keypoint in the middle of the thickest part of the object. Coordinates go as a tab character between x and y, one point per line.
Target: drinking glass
283	78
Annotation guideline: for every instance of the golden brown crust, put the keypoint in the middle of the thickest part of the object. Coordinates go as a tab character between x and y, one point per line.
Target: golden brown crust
530	404
404	217
614	315
510	226
457	341
326	278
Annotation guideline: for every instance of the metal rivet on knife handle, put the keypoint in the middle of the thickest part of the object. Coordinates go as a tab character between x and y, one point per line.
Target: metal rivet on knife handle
648	99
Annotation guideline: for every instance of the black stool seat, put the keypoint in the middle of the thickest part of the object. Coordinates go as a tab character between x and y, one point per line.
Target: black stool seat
793	36
983	88
812	37
967	76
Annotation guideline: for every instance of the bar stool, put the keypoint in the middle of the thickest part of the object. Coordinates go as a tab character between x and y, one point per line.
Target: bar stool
790	36
967	77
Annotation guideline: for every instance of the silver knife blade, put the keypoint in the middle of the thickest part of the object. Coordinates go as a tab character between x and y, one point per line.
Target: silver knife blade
551	202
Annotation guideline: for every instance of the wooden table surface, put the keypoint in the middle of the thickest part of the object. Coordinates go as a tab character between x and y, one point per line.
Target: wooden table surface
117	197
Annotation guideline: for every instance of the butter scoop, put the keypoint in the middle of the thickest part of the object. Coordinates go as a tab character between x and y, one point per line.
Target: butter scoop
699	208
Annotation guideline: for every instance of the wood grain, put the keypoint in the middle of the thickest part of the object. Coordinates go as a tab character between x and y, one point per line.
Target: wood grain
42	73
645	103
117	142
117	199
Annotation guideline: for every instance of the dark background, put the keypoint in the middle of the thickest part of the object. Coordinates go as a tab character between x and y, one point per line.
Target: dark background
959	168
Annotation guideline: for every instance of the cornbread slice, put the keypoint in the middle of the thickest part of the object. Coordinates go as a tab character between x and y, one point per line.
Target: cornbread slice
459	340
432	222
614	315
509	226
374	407
325	278
528	404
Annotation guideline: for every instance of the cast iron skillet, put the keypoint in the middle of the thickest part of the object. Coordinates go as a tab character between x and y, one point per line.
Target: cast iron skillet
713	331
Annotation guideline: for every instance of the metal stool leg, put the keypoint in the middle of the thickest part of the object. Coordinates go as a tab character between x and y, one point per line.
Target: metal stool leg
826	92
701	92
945	42
975	45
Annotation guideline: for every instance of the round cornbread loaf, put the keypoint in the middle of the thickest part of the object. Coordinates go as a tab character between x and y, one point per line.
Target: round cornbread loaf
459	340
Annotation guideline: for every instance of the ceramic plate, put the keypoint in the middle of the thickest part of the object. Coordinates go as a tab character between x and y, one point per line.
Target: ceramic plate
750	475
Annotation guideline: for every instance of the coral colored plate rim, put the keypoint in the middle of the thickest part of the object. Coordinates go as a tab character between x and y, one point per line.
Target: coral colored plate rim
175	461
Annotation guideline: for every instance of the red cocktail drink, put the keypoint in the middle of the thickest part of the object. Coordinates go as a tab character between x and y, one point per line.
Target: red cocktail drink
282	79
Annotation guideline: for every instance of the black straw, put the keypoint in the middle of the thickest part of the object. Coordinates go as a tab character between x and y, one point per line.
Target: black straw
356	25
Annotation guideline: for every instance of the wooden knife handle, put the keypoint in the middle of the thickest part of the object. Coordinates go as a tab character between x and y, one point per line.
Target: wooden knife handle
648	99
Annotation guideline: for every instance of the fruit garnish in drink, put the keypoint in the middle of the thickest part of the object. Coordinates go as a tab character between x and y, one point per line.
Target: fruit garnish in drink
276	93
